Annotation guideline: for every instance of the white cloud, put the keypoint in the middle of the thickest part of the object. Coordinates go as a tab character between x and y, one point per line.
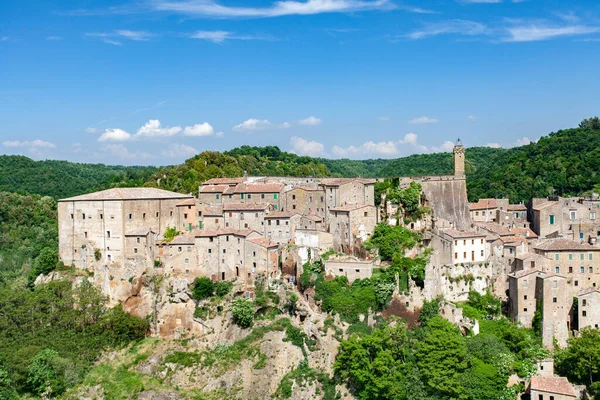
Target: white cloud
493	145
112	37
532	33
254	124
179	150
134	35
211	8
444	148
472	118
382	149
92	130
423	120
203	129
455	26
568	16
221	36
220	134
522	141
153	128
310	121
114	134
37	143
304	147
120	151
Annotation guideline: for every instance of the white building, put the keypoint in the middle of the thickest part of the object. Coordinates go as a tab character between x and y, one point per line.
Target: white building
467	247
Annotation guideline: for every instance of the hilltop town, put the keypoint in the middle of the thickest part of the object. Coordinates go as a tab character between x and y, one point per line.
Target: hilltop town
261	232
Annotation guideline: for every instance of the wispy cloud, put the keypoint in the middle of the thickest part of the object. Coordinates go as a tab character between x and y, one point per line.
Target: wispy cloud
4	38
472	118
423	120
211	8
115	37
532	33
407	145
310	121
34	143
455	26
222	36
254	124
54	38
304	147
179	150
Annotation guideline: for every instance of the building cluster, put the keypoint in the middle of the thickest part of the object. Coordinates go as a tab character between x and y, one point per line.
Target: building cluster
234	228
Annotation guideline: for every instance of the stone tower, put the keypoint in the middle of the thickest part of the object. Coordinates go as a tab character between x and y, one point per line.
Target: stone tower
459	159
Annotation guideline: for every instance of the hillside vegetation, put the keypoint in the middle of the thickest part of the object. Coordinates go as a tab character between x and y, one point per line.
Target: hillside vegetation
60	179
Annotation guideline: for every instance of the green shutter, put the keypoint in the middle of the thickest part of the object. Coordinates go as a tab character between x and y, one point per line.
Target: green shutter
275	196
552	220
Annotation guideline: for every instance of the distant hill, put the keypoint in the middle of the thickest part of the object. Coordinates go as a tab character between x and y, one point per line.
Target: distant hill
565	162
61	179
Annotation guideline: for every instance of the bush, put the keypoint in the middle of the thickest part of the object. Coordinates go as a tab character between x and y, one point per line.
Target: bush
46	373
170	233
97	254
222	288
202	288
243	313
44	263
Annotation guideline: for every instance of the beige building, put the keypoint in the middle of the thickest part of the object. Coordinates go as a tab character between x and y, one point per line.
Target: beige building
281	226
467	247
212	194
246	215
350	223
522	294
305	200
352	269
257	193
344	191
188	217
551	388
94	225
572	218
211	217
589	308
485	210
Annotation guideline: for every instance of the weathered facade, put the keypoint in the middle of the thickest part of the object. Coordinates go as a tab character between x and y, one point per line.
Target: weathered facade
352	269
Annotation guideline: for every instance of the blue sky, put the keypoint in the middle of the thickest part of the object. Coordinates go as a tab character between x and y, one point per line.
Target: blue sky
157	81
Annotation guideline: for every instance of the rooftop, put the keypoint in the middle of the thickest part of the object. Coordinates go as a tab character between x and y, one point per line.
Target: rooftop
343	181
517	207
564	245
213	189
245	207
139	232
453	233
349	207
263	242
281	214
141	193
494	228
224	181
552	384
587	291
543	205
222	232
212	211
187	202
258	188
484	204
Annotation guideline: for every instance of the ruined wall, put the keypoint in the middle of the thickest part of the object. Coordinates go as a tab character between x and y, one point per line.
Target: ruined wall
351	269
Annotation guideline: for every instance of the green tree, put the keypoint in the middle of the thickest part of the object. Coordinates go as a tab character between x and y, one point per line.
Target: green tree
441	358
46	373
7	390
44	263
590	123
580	361
429	310
202	288
222	288
243	312
170	233
390	240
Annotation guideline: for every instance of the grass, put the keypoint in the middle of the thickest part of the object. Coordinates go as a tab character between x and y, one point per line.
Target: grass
304	376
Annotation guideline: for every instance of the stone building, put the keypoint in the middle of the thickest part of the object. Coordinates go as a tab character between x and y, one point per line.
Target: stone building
305	200
551	388
459	159
572	218
312	243
187	215
212	194
212	217
352	269
485	210
180	256
262	258
224	181
350	223
254	193
580	263
93	226
246	215
588	308
522	292
344	191
280	226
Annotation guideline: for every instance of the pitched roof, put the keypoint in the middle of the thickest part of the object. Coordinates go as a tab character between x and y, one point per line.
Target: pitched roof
311	217
212	211
263	242
564	245
306	188
349	207
221	232
187	202
517	207
139	232
494	228
258	188
244	207
484	204
181	239
135	193
453	233
213	188
543	205
525	272
587	291
336	181
552	384
531	256
281	214
224	181
525	232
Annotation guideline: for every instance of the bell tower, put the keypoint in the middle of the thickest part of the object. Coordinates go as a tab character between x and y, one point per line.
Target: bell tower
459	159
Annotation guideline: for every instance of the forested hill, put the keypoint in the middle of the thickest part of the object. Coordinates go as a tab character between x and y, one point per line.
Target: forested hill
61	179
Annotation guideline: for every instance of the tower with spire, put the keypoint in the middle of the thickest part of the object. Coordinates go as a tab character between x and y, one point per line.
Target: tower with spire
459	158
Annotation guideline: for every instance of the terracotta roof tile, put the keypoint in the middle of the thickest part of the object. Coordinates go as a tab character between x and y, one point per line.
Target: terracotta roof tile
244	207
213	189
281	214
187	202
212	211
564	245
349	207
453	233
517	207
263	242
224	181
494	228
484	204
552	384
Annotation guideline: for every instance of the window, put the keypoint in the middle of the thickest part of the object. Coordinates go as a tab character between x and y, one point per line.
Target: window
269	222
262	196
137	240
592	215
557	270
241	195
552	220
171	213
230	196
187	260
465	255
242	216
581	256
210	239
576	283
130	216
456	242
584	303
85	234
277	222
472	241
100	216
293	197
524	282
227	238
580	235
144	215
591	269
255	215
293	206
525	310
570	270
184	216
481	241
216	220
525	297
555	300
156	215
555	284
573	215
477	213
189	249
557	256
108	234
217	196
456	256
179	249
464	242
83	216
590	256
584	313
570	256
224	251
71	216
135	250
249	196
582	270
481	253
209	251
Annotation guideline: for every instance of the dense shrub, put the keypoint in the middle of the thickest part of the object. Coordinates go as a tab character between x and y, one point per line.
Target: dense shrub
243	312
